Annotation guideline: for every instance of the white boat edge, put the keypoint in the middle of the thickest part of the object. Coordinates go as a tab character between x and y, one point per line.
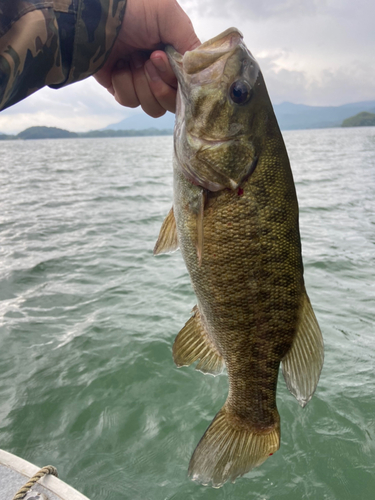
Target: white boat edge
51	483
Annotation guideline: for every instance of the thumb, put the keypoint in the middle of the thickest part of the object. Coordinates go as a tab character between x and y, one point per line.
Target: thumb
176	28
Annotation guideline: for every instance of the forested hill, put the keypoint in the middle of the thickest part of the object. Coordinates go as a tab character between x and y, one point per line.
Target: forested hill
59	133
363	119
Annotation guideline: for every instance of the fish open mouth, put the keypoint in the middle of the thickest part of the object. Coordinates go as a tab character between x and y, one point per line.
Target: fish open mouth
204	56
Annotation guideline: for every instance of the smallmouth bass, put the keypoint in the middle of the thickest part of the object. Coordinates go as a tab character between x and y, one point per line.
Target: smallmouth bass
235	219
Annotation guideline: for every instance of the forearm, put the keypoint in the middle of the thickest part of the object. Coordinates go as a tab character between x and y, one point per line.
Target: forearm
53	42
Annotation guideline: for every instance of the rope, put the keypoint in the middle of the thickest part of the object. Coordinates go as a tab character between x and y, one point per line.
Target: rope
48	469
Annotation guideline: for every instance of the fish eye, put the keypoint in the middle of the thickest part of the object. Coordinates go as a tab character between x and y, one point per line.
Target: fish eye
240	92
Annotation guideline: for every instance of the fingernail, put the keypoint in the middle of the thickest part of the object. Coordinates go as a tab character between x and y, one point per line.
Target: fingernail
137	60
151	72
159	63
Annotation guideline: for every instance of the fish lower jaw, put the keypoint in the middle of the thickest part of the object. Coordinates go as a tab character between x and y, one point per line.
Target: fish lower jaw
206	183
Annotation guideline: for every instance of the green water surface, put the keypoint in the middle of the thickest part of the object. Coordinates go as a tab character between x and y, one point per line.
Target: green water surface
88	318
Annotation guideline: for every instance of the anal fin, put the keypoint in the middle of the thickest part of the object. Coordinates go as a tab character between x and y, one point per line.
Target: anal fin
193	343
303	363
167	241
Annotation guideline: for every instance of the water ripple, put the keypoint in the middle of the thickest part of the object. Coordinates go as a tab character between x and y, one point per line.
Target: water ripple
88	318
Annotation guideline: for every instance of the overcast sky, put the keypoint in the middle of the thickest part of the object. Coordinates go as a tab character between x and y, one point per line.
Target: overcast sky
316	52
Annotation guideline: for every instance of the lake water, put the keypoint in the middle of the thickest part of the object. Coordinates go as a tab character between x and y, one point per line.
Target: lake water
88	318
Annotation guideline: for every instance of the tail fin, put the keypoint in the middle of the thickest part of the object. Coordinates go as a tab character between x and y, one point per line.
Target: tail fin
227	451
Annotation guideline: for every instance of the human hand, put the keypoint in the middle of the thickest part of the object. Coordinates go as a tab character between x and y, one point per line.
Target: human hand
136	72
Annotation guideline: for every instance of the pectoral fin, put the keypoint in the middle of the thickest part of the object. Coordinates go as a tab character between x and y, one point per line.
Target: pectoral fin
304	361
193	343
167	241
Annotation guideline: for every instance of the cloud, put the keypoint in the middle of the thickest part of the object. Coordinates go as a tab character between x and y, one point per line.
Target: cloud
328	87
79	107
279	9
316	52
255	9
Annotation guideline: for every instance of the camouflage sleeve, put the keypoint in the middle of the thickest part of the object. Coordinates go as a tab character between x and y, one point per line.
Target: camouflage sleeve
53	42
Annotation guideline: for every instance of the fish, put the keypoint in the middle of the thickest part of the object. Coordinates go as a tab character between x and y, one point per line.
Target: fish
235	219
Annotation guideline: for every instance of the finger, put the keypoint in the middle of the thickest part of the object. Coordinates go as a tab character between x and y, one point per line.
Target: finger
176	28
123	85
163	93
142	88
161	62
104	75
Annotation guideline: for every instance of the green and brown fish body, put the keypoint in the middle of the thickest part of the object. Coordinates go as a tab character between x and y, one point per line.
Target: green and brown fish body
235	219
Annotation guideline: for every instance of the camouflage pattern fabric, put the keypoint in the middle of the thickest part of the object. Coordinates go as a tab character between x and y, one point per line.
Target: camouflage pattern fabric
53	42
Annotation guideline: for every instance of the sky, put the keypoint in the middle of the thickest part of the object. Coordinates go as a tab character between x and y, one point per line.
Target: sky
314	52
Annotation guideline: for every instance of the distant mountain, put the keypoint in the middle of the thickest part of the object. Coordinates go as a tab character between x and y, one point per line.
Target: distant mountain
299	116
5	137
363	119
46	133
290	117
124	133
142	121
59	133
